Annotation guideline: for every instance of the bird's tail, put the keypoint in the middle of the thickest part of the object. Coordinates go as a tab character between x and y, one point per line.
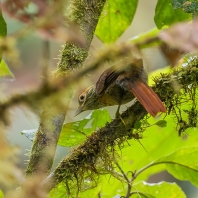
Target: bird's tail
147	97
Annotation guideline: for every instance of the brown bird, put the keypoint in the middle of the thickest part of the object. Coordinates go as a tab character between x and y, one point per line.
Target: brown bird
120	85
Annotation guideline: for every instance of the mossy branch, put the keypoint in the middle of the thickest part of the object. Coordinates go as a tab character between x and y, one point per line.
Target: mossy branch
95	155
85	14
96	152
51	88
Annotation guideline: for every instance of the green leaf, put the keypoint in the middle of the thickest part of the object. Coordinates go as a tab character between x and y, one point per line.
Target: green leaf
116	17
1	194
30	134
182	164
157	142
70	135
74	133
92	192
142	195
166	15
161	123
58	192
4	70
162	190
3	26
3	33
100	118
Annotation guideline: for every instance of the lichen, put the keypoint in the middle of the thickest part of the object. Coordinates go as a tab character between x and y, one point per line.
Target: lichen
178	90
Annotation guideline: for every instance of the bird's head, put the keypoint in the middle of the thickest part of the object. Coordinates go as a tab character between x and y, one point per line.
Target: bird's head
88	100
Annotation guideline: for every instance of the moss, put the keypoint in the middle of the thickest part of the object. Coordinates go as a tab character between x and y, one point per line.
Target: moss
72	57
86	14
97	155
179	92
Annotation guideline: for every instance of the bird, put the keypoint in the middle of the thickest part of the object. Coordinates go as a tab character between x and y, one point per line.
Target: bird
119	85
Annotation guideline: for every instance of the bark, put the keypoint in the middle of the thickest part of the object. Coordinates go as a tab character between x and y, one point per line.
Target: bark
85	14
96	155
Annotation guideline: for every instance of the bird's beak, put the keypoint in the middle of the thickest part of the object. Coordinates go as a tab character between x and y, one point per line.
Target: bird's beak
78	111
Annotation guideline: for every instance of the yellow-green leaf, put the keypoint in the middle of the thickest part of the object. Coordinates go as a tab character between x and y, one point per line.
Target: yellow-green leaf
74	133
166	15
1	194
162	190
4	69
182	164
116	17
3	26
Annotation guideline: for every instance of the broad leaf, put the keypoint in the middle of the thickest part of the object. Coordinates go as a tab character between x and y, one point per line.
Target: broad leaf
162	190
161	123
182	164
4	70
3	26
71	135
158	142
3	33
74	133
58	192
139	194
116	17
1	194
166	15
100	118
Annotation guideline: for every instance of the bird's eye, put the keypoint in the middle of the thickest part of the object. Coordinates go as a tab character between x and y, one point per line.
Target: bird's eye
81	98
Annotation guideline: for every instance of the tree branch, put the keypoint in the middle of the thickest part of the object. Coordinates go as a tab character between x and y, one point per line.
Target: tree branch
85	160
72	57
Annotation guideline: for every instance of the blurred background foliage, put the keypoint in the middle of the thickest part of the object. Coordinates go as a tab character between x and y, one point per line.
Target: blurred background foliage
157	141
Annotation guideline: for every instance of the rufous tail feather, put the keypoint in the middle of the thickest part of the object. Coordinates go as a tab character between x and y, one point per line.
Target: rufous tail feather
148	98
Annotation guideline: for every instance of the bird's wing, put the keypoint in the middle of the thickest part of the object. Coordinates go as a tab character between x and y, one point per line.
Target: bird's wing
112	73
106	78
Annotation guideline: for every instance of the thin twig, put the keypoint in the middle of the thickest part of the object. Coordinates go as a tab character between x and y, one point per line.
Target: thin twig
56	85
127	179
123	173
